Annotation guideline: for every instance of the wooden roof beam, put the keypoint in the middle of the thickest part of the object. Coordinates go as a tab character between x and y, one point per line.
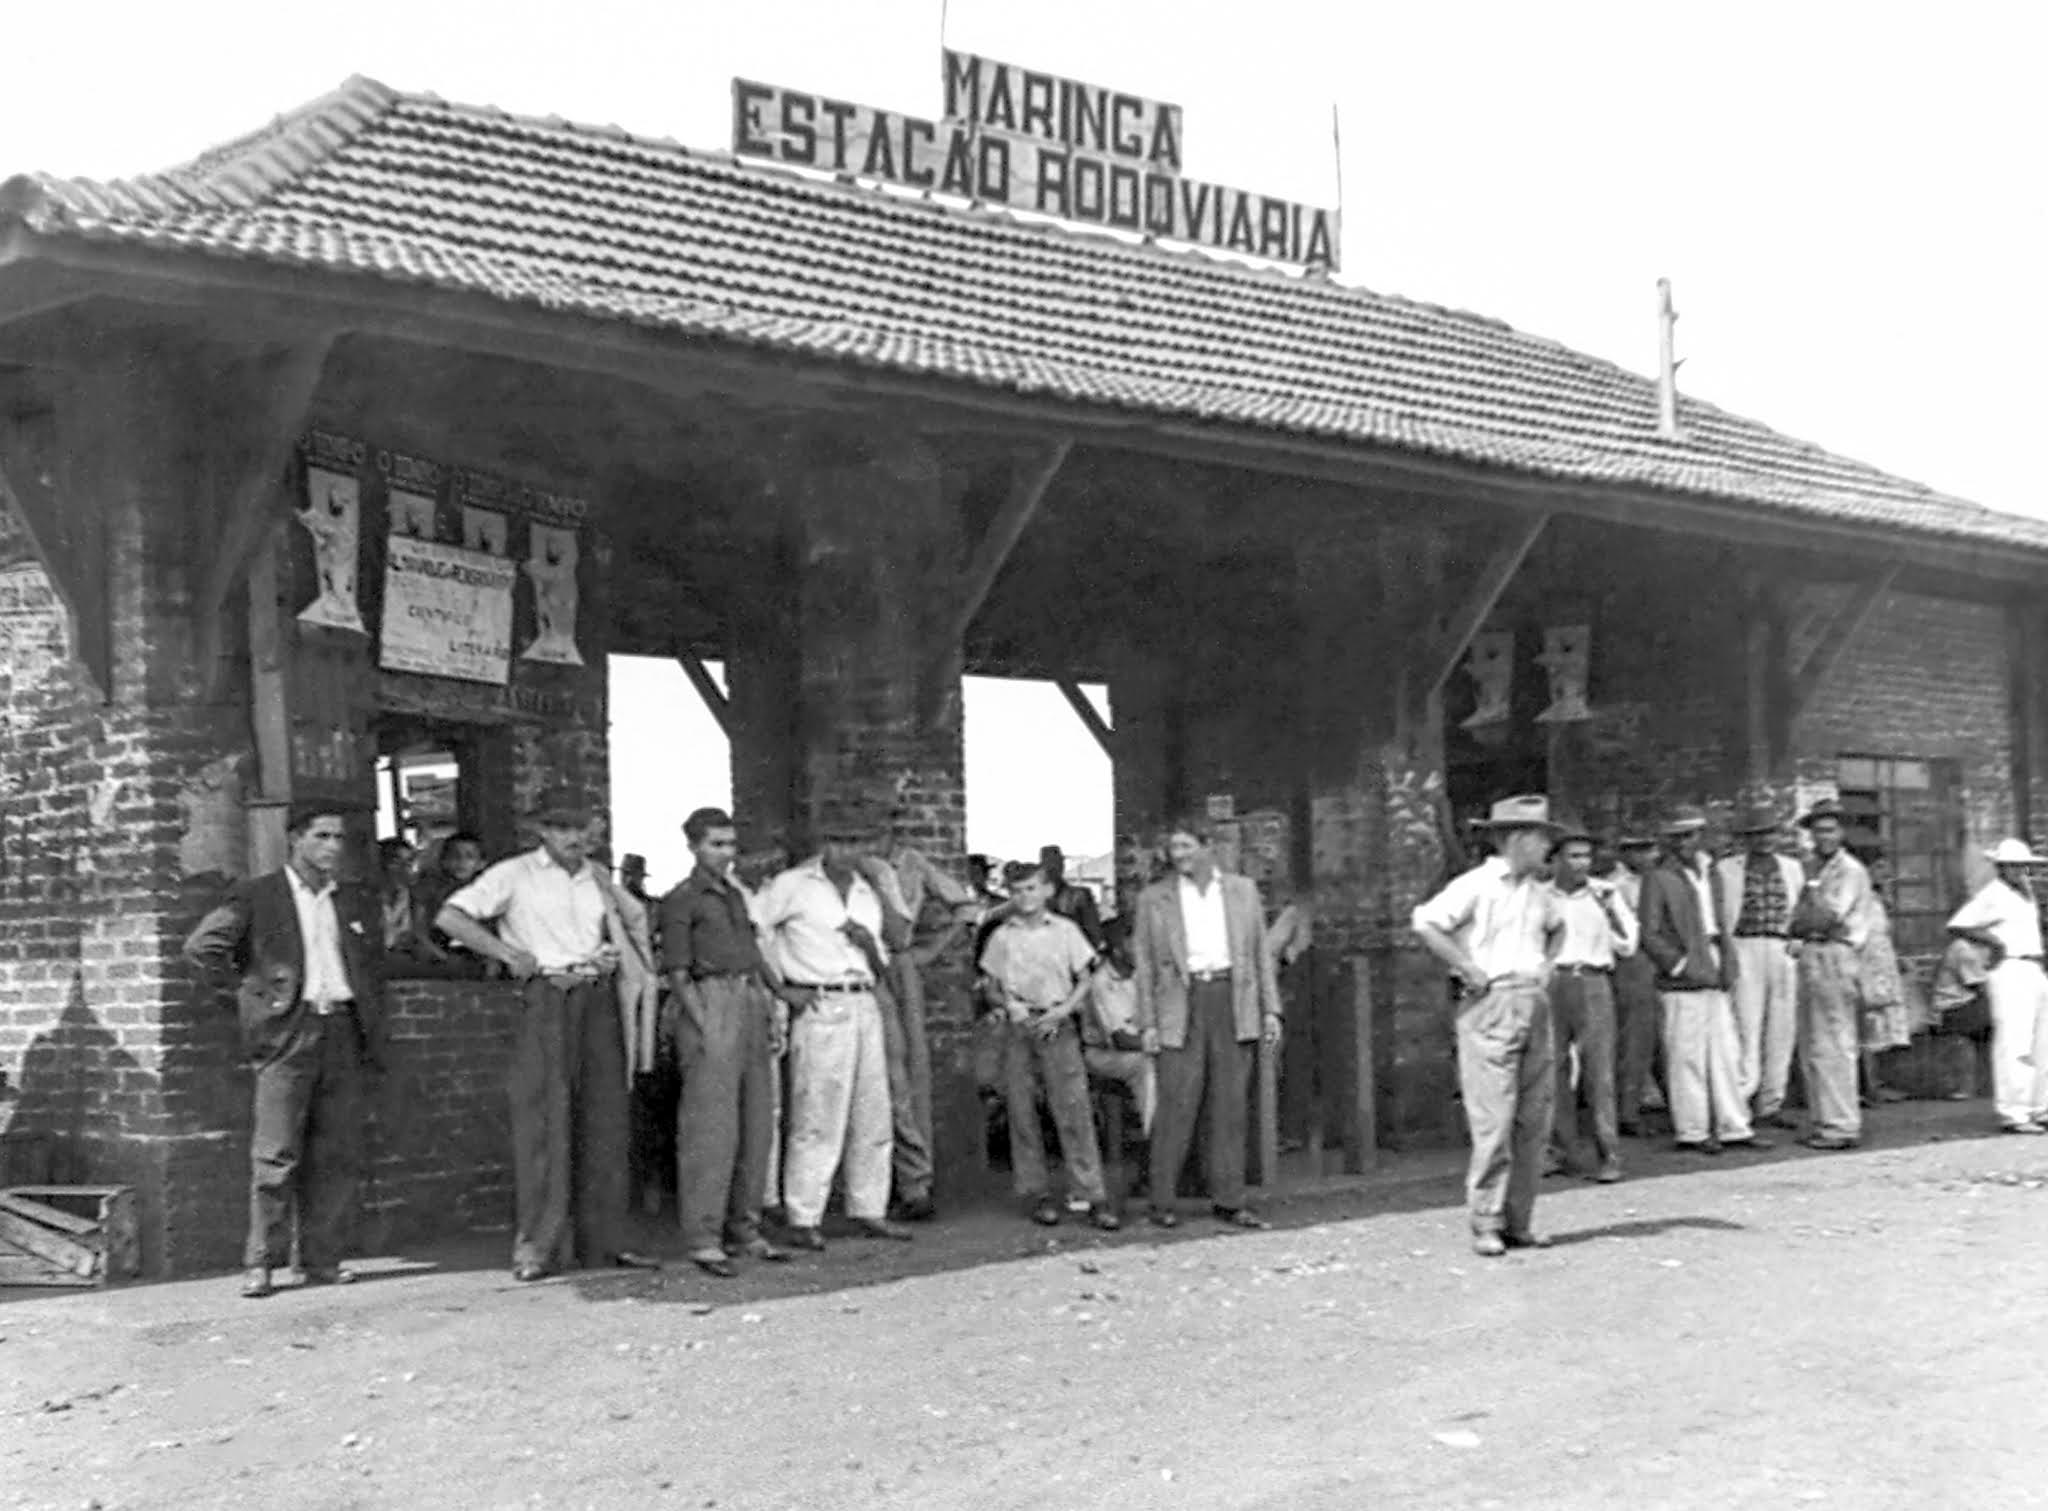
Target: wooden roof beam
1091	717
1847	623
1027	491
1451	642
714	696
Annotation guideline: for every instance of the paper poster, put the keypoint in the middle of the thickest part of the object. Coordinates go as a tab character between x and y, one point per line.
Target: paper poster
1491	666
483	530
447	612
1567	657
551	565
411	514
331	516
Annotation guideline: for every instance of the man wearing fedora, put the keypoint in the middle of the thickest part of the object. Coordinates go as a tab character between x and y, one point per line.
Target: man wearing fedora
1599	930
1685	932
1831	922
1758	889
559	933
309	951
1498	927
2005	919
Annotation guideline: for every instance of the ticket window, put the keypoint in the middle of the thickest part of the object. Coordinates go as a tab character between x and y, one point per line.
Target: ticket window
433	779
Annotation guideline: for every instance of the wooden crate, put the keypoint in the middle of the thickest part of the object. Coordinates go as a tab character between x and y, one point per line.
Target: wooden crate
68	1235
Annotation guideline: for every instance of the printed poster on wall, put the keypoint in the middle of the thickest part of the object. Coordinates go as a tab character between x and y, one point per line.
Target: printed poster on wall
447	611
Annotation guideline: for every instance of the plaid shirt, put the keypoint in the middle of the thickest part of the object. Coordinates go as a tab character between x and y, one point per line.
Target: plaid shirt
1765	908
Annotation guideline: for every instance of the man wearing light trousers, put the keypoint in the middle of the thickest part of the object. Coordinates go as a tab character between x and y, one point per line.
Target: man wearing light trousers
1758	889
1498	927
824	926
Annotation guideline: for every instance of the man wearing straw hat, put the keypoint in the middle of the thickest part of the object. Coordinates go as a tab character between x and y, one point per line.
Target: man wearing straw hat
1498	927
2003	917
1685	931
1832	923
559	933
1758	889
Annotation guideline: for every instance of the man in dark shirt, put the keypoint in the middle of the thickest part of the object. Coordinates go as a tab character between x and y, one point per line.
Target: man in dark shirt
729	1030
1069	899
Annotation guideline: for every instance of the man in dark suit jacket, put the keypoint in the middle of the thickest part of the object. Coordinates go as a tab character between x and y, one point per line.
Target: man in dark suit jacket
1206	992
309	953
1686	933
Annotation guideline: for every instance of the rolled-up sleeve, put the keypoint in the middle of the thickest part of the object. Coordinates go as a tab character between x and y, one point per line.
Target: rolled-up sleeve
1452	908
489	894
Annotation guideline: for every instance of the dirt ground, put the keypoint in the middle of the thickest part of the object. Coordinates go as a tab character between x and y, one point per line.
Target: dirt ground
1863	1331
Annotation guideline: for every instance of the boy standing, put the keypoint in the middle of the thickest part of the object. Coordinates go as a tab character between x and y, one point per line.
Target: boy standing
1037	966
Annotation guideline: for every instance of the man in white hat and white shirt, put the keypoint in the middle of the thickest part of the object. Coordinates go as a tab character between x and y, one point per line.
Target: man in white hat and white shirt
2003	916
1498	926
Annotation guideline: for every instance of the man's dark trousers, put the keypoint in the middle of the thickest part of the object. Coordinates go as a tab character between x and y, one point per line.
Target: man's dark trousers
1208	1077
725	1125
908	1052
568	1124
1582	1013
305	1152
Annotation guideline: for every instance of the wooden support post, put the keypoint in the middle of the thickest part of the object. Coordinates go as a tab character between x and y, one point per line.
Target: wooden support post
1362	1139
67	532
2029	715
1827	652
280	386
1756	685
1027	491
708	689
1455	638
1088	715
269	711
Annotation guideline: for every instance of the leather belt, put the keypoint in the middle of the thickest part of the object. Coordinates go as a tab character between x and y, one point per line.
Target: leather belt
1576	969
568	981
1222	975
834	986
330	1009
1760	934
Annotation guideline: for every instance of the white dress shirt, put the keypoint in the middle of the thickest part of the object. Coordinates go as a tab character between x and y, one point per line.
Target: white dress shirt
2007	915
1589	937
801	912
1501	921
1208	930
326	979
556	916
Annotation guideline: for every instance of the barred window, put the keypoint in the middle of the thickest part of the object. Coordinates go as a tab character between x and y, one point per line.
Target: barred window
1906	822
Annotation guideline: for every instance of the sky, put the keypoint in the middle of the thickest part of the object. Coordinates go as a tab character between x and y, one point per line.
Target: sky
1848	198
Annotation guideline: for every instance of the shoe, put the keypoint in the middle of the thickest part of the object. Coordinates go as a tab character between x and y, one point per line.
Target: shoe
1552	1165
881	1227
1165	1217
810	1240
528	1271
2021	1128
1630	1129
1488	1245
633	1259
1526	1240
1689	1146
1046	1212
762	1251
256	1283
715	1262
330	1275
1754	1141
1711	1146
1609	1172
1105	1217
915	1209
1831	1142
1242	1217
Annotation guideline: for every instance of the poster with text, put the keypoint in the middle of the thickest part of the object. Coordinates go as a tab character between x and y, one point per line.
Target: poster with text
447	612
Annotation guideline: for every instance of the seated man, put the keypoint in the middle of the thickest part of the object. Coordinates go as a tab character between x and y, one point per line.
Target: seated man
1111	1046
1037	968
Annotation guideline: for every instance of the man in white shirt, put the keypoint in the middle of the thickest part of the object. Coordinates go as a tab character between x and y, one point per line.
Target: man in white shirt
310	953
1498	927
559	933
2005	918
1599	929
1206	994
823	924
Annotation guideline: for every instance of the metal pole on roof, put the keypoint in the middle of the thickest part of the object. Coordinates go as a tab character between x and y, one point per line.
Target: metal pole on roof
1337	153
1667	365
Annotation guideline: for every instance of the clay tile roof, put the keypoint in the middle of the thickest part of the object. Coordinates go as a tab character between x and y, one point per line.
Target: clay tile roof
595	222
